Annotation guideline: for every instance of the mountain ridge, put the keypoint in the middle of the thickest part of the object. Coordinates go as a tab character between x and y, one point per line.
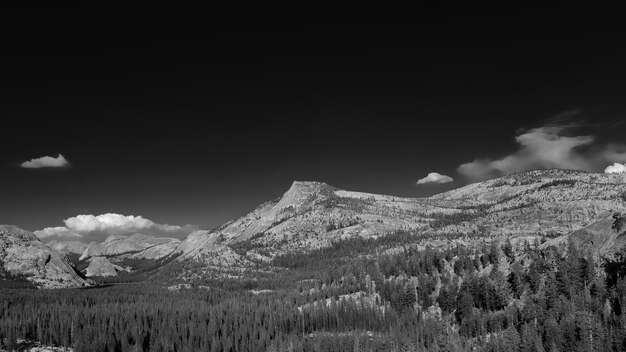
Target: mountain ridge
313	214
137	244
310	215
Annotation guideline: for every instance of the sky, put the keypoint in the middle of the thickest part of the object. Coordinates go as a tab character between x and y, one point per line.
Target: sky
121	120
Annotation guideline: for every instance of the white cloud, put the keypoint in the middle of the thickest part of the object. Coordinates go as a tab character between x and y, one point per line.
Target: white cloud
59	232
45	161
616	168
97	227
115	223
546	147
435	177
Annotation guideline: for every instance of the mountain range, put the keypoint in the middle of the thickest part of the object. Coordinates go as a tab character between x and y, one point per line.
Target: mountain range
559	206
537	204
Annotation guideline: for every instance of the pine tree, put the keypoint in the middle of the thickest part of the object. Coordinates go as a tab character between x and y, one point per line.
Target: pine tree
465	306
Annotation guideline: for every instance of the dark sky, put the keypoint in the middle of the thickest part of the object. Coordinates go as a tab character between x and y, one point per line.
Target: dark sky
195	116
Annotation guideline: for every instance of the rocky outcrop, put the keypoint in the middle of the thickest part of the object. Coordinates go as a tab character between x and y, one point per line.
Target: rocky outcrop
22	254
157	252
154	247
603	238
101	266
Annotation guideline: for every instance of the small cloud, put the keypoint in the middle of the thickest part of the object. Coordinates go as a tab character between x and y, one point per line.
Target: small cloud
435	177
616	168
45	161
59	232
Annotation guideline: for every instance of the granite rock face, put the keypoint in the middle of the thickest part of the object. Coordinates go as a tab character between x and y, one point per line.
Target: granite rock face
141	246
22	254
603	238
101	266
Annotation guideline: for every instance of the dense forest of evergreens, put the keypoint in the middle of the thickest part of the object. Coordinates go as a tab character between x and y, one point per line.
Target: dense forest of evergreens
349	297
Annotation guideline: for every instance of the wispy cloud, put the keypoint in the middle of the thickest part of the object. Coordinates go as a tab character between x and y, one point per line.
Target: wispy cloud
45	161
97	227
435	177
552	146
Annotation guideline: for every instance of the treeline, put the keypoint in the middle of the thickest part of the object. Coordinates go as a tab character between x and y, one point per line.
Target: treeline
497	300
348	249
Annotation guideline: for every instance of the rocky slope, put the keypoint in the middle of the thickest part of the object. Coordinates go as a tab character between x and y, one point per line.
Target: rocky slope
101	266
309	215
602	238
137	246
22	254
542	203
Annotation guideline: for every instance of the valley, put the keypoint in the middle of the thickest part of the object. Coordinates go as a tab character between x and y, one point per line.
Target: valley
528	262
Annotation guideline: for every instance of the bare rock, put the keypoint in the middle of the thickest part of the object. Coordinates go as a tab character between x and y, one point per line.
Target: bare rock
603	238
22	254
137	243
101	266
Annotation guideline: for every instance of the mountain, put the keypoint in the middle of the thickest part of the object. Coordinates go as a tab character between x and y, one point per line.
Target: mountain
24	257
541	204
101	266
73	247
137	246
311	215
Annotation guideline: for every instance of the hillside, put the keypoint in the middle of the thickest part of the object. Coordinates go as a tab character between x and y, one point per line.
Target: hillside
541	202
603	238
311	215
139	246
23	257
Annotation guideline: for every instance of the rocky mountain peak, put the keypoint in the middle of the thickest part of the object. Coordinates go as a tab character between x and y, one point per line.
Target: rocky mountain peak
309	185
303	189
304	192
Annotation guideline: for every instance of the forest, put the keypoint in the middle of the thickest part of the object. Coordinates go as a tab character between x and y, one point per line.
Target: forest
349	297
